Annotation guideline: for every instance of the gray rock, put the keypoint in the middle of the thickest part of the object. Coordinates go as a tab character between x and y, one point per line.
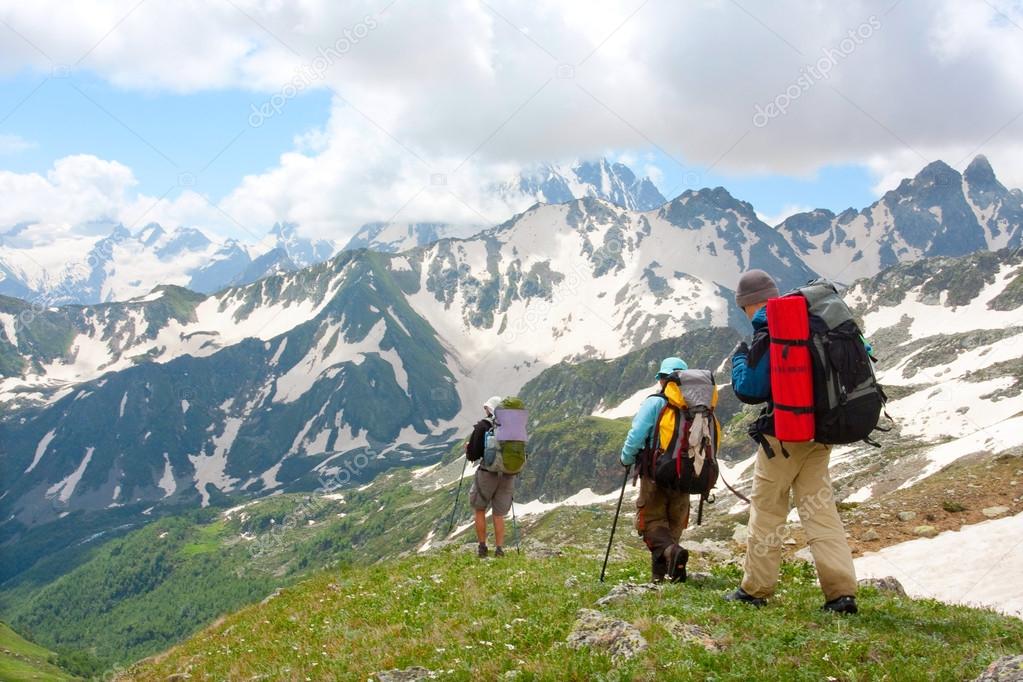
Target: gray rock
571	581
625	590
270	597
993	512
407	675
619	638
885	584
1004	669
871	535
907	515
805	554
925	531
688	632
740	534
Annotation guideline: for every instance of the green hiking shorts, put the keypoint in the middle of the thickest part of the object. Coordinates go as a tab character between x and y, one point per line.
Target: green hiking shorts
492	489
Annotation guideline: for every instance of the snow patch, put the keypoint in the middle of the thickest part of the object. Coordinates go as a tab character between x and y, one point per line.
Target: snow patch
985	571
66	488
44	443
167	482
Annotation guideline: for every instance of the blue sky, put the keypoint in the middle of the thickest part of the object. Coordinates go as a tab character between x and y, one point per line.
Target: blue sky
187	131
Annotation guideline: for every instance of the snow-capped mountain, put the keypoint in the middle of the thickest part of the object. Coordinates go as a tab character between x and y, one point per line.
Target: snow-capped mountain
124	265
268	385
398	237
601	179
301	251
177	397
544	184
940	212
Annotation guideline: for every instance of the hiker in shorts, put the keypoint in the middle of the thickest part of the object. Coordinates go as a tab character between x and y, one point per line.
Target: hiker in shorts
490	489
661	514
801	468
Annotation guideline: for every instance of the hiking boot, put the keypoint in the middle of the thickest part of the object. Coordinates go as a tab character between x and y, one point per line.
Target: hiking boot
499	551
841	605
481	551
740	595
658	568
676	558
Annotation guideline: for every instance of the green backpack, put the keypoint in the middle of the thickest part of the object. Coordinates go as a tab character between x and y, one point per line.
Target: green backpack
505	445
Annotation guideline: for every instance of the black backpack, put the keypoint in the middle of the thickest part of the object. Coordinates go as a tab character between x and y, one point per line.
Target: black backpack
682	451
848	401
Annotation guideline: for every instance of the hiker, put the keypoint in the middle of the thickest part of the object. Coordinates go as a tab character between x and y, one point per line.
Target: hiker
493	485
799	467
661	513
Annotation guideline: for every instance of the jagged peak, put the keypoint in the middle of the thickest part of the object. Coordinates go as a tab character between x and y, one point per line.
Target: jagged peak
980	172
938	172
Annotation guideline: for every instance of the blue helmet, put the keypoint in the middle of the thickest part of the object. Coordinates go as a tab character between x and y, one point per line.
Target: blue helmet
669	365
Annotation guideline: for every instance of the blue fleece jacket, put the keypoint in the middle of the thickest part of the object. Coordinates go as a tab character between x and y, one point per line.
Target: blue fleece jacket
753	382
642	426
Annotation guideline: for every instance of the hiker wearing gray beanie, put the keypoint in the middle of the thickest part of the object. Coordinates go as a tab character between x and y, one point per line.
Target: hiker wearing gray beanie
783	468
755	286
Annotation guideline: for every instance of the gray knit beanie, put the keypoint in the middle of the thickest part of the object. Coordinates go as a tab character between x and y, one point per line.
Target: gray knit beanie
755	286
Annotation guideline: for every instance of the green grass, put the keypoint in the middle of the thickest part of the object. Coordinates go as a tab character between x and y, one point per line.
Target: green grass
471	619
23	660
209	539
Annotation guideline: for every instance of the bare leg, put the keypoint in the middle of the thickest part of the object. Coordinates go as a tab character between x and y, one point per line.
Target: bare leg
499	531
481	526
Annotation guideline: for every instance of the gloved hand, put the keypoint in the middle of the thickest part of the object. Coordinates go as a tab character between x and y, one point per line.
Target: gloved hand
626	459
741	349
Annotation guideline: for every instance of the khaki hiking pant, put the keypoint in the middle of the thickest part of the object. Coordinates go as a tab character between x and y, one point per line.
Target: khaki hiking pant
661	515
805	473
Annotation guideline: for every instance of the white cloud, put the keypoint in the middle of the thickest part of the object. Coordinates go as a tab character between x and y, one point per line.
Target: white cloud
786	211
77	189
425	86
12	144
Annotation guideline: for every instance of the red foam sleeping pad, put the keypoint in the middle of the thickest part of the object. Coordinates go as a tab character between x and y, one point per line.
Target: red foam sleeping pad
791	368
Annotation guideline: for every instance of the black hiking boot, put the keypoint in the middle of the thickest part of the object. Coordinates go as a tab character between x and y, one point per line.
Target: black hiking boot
499	551
676	558
740	595
481	551
841	605
658	568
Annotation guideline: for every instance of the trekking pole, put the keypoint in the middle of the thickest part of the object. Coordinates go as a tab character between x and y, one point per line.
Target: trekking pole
515	529
614	525
451	523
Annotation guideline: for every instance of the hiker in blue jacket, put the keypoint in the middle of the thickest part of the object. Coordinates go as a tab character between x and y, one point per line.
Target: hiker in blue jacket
661	514
800	468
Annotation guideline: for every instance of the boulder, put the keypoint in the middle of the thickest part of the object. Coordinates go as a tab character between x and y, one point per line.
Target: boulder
885	584
625	590
994	512
907	515
1004	669
925	531
688	632
619	638
871	535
